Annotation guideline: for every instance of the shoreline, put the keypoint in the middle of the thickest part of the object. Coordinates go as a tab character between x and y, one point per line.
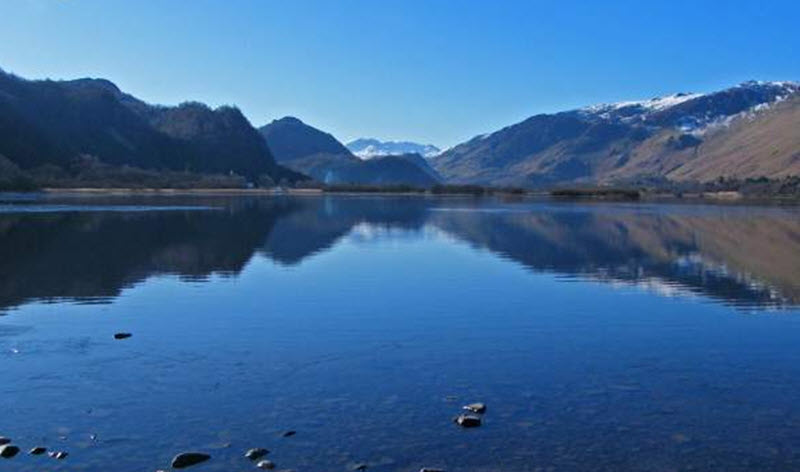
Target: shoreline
725	197
175	191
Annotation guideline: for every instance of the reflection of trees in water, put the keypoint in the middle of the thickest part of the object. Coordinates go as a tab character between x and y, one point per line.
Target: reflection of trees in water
750	258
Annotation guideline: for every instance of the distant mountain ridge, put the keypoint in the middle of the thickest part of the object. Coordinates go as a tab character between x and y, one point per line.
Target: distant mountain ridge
52	123
677	137
367	148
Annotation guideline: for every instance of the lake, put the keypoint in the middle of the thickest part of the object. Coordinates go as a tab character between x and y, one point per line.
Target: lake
601	336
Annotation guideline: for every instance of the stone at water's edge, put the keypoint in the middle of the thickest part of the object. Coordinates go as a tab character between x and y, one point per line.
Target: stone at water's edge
256	453
476	407
187	459
8	451
468	421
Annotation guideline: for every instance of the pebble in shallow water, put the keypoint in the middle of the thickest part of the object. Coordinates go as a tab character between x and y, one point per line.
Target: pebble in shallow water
256	453
7	451
186	459
468	421
476	407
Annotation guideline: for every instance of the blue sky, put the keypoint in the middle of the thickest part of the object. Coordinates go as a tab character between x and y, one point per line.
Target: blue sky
432	70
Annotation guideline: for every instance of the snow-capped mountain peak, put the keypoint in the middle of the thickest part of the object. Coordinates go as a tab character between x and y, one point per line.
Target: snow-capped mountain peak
695	111
368	148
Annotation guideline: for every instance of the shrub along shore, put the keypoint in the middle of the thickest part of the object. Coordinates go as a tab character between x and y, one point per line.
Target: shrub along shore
105	179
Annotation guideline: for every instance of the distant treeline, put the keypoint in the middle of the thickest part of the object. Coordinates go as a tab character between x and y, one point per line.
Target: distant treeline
605	193
89	172
476	190
756	187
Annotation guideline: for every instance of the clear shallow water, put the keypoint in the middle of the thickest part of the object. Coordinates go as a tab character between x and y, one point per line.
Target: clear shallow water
601	336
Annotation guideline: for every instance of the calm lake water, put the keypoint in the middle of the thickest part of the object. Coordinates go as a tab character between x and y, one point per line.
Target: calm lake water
608	336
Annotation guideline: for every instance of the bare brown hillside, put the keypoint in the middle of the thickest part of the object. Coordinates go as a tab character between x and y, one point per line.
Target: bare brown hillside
766	143
750	130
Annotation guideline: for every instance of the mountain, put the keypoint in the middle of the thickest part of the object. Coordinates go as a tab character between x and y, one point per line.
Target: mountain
418	161
744	131
49	124
335	169
319	155
384	170
368	148
289	138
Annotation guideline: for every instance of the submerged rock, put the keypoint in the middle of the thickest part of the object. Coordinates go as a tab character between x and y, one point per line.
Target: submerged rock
468	421
7	451
476	407
256	453
37	451
265	464
681	438
186	459
59	455
122	335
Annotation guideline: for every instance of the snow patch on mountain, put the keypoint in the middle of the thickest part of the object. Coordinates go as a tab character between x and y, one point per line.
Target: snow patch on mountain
702	111
654	104
639	110
699	128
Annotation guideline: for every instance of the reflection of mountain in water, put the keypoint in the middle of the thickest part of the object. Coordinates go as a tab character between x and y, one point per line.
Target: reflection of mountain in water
83	255
318	223
730	254
736	255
